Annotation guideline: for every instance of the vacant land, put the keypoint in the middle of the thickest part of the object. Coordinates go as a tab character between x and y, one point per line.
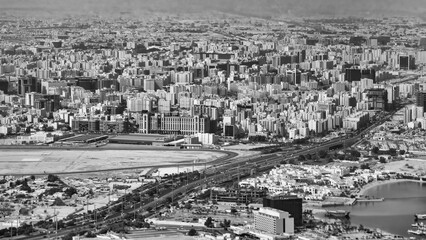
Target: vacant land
413	165
55	161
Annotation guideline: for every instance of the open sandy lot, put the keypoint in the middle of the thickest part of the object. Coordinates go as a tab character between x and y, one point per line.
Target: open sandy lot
54	161
415	166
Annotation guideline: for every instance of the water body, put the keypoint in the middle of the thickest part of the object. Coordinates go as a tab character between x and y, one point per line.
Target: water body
396	213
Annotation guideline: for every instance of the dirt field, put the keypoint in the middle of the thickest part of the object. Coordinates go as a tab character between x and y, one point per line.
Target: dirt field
415	166
46	160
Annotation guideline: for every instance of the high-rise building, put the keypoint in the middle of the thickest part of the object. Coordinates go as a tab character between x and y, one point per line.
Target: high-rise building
289	203
422	42
4	86
354	74
421	100
149	85
407	62
407	115
273	221
28	84
377	99
90	84
173	124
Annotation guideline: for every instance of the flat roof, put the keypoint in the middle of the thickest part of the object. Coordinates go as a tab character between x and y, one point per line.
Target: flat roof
283	197
83	138
140	137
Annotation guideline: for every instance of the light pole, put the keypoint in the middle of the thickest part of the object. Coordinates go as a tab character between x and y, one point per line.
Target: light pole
96	219
56	221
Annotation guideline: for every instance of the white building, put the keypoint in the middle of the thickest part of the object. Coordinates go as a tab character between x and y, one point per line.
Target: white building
273	221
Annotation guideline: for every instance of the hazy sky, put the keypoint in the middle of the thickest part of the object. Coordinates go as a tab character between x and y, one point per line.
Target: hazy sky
300	8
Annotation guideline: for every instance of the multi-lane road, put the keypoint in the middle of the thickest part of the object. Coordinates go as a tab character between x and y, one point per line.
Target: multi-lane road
222	171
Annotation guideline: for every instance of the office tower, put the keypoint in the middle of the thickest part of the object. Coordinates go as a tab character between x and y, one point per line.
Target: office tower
407	62
4	86
373	42
366	83
421	57
28	84
357	40
407	115
273	221
107	83
354	74
421	100
289	203
383	40
368	73
276	61
90	84
422	42
377	99
149	85
48	102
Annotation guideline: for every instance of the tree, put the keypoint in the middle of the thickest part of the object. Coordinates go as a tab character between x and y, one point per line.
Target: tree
392	151
52	178
69	236
401	152
302	158
188	206
226	223
355	153
90	234
25	187
375	150
382	160
209	222
322	154
70	191
192	232
24	211
234	211
26	229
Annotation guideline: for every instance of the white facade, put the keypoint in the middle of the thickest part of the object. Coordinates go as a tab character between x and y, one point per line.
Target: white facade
273	221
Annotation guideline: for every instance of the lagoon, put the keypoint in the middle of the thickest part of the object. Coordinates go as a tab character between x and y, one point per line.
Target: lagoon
396	213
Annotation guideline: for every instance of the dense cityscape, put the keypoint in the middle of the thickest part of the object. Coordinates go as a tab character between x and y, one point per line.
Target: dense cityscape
211	125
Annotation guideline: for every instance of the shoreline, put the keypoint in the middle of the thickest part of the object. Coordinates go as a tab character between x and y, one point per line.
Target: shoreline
368	186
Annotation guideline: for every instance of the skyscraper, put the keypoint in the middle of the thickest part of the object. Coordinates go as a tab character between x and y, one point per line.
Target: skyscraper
421	100
288	203
407	62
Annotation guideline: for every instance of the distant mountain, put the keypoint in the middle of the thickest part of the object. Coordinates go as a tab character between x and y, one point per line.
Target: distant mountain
264	8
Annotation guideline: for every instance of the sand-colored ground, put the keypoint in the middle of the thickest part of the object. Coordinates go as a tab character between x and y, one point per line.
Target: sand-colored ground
39	161
415	166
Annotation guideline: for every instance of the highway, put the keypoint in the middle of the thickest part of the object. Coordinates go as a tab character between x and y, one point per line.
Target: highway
229	171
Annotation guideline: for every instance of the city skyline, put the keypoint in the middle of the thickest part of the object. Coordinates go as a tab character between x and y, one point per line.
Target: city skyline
259	8
221	119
